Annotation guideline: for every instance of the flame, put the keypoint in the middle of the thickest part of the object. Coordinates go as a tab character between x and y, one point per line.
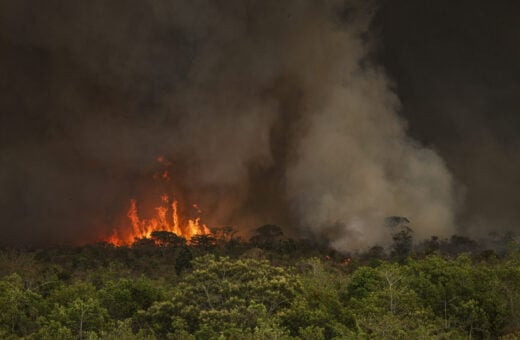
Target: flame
166	218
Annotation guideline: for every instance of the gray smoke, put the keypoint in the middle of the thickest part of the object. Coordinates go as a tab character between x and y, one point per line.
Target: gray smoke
270	112
355	165
458	79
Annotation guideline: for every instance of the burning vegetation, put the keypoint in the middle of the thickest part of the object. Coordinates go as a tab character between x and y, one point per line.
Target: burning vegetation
167	216
166	219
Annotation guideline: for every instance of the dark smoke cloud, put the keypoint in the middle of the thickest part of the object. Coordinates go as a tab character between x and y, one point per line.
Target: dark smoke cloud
457	70
271	111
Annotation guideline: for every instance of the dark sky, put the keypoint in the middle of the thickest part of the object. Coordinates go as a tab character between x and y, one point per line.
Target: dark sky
456	68
87	90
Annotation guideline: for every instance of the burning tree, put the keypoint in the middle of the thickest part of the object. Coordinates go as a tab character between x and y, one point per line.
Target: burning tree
167	218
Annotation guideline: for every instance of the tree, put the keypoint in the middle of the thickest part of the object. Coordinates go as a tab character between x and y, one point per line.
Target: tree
82	317
460	244
224	234
317	311
403	241
217	296
168	239
467	297
374	256
124	297
266	236
384	304
183	260
439	283
203	242
20	307
123	330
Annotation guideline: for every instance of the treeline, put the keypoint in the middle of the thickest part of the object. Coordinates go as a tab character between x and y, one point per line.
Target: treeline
220	287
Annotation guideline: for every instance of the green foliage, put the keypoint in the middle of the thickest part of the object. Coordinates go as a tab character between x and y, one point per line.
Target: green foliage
124	297
318	309
19	307
222	297
82	317
459	291
364	281
54	330
163	289
123	330
384	305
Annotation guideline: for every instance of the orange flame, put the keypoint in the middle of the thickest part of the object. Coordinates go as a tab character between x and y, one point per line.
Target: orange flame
166	219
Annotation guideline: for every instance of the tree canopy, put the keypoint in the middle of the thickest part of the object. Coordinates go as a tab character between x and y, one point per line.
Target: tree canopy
220	287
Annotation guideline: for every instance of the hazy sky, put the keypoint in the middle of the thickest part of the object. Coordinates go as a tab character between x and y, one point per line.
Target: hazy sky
321	116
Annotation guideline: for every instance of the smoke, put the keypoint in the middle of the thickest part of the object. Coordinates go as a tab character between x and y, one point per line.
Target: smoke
458	79
355	165
270	112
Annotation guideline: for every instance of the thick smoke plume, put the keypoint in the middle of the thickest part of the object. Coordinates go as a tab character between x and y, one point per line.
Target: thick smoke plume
270	112
456	69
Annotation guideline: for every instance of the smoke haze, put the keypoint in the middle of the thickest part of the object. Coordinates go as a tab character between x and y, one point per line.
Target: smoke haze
457	70
270	112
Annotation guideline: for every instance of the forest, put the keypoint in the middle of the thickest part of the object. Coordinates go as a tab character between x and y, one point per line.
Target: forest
218	286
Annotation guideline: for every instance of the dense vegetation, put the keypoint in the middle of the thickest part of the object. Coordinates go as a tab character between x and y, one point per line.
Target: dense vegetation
218	287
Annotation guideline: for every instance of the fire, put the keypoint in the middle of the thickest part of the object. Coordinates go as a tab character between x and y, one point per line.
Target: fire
166	218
